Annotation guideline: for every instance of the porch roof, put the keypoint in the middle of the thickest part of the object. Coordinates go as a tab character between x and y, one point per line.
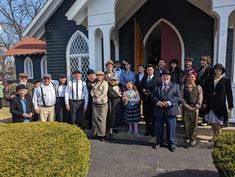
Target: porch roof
27	46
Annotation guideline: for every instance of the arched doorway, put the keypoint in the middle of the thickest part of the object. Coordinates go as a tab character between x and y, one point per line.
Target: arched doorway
163	41
77	54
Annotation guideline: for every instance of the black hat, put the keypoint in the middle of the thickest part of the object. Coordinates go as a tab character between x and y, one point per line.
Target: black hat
141	65
90	71
150	65
219	66
19	87
62	76
77	72
166	72
118	61
174	60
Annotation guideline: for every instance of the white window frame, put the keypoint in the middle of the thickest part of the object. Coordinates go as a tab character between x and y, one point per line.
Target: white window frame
79	55
28	67
43	65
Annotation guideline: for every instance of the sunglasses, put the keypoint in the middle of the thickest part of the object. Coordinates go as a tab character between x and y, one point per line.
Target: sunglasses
46	78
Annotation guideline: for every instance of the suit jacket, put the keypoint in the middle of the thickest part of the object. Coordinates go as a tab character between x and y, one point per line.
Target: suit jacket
158	72
215	98
173	95
137	81
17	110
144	85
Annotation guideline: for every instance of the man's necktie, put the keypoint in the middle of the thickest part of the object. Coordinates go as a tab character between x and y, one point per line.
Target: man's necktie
149	79
166	88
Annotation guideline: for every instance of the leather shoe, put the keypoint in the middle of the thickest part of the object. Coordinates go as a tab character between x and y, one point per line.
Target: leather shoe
172	148
101	139
156	146
147	133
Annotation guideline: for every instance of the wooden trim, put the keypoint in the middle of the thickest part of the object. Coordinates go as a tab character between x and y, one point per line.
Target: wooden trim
138	46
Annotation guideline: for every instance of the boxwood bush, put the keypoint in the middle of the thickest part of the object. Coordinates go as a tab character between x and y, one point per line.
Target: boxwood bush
224	154
43	150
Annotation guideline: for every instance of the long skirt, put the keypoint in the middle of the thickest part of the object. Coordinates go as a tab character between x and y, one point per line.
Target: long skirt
131	113
99	117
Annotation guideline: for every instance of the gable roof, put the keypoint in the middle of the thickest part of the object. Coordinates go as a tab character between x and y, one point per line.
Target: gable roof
27	46
36	27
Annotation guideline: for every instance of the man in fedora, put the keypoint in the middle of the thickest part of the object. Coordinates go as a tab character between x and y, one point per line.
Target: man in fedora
76	99
165	97
23	80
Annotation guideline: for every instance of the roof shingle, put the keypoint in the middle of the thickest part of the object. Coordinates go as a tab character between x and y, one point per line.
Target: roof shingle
27	46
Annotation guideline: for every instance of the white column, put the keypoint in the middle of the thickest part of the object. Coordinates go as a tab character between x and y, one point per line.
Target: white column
98	50
106	41
116	45
216	36
92	54
233	75
222	37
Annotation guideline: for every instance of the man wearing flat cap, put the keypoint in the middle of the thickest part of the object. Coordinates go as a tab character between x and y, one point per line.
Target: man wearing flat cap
165	97
23	80
44	99
76	99
90	82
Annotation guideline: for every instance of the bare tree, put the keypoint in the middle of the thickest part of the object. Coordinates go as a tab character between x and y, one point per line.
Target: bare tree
15	15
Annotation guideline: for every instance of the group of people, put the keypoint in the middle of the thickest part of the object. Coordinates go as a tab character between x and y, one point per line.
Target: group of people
109	98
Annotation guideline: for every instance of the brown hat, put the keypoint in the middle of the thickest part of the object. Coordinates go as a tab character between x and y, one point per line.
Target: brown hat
23	75
125	62
100	73
166	72
109	62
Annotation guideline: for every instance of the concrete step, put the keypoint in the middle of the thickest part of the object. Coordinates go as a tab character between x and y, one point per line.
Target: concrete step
202	130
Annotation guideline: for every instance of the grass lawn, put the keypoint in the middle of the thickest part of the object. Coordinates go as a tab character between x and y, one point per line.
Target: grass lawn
5	115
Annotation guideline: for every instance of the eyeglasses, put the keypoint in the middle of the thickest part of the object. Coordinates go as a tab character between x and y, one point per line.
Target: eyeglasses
46	78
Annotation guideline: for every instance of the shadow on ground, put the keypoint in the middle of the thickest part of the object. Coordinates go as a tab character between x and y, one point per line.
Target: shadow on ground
189	173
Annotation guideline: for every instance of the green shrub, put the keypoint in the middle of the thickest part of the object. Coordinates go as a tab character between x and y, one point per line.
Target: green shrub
43	150
224	154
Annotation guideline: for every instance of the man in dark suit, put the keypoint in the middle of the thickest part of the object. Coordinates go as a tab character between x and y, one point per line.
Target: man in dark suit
160	68
139	76
165	97
147	85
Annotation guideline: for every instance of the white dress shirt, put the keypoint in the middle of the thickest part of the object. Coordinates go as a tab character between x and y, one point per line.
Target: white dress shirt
141	75
76	90
118	71
48	96
60	89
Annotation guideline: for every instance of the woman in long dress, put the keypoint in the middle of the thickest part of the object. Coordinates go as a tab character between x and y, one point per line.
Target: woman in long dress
216	92
99	95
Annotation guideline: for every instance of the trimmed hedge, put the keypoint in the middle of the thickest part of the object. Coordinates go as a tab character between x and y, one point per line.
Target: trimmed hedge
43	149
224	154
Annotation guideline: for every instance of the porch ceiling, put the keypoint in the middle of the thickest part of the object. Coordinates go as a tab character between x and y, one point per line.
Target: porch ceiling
204	5
126	9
